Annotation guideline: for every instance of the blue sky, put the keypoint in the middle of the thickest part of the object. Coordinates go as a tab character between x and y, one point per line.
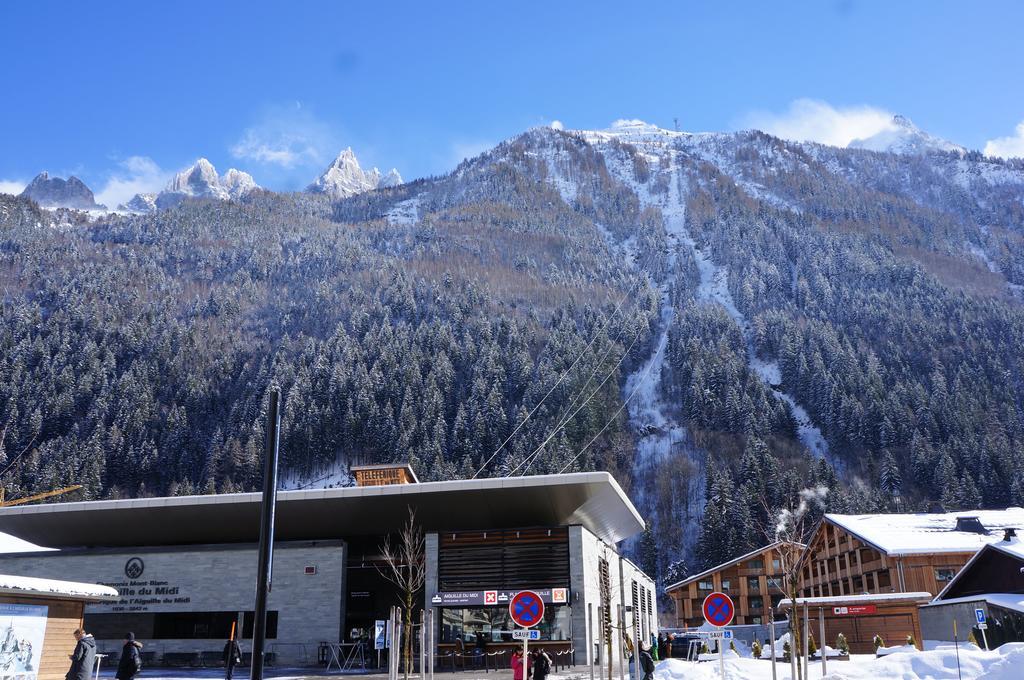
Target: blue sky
122	94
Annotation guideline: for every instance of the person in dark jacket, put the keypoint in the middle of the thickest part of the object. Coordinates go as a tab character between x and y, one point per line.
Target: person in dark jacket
232	657
646	662
662	646
131	660
541	663
83	660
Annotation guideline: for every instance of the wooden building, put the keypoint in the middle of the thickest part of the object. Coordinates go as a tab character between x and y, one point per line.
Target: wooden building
993	581
40	616
897	553
383	475
754	581
893	616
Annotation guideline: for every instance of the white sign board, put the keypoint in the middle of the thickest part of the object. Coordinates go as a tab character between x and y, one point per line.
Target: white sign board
715	634
380	634
22	629
521	634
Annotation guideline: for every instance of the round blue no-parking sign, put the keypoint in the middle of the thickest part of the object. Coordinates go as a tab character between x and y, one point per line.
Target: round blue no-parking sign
719	609
526	608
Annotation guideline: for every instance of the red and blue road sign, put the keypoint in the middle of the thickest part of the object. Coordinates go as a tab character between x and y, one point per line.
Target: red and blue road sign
718	609
526	608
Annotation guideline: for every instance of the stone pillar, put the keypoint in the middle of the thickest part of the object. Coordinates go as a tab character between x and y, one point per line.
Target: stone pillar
579	596
430	582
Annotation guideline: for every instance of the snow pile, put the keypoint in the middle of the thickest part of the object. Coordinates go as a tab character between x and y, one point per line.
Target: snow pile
42	586
12	544
1004	663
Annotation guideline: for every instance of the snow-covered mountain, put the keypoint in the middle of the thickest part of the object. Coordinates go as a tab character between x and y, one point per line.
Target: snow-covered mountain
344	177
56	192
198	181
903	137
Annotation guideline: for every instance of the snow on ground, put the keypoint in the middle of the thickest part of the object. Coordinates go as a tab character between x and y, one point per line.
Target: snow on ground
1005	663
405	212
335	476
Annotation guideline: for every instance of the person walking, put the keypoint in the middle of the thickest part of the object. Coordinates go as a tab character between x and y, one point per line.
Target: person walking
520	666
130	663
83	660
232	657
646	662
541	663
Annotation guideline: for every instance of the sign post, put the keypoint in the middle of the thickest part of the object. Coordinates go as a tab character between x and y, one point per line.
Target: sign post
979	614
527	610
719	611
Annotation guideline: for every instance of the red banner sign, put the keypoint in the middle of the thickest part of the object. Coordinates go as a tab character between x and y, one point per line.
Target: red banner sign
855	610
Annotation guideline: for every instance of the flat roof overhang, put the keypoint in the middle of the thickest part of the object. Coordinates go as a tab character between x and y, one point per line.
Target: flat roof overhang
591	499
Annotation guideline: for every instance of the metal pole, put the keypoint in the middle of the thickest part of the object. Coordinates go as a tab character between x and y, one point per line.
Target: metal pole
423	643
392	646
590	638
430	617
721	656
266	556
807	643
622	627
821	642
771	636
984	638
956	644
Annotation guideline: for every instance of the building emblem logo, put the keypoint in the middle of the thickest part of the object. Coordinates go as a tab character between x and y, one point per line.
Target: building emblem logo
559	595
490	597
134	567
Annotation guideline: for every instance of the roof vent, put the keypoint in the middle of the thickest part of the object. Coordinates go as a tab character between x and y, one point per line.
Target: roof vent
1009	533
970	524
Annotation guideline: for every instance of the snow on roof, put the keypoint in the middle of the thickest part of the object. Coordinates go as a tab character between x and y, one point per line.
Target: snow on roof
12	544
867	598
44	587
1014	601
922	533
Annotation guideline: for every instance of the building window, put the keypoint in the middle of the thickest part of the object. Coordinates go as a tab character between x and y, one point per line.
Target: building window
943	574
493	624
726	583
776	564
775	583
753	584
755	564
756	603
858	584
176	625
756	620
705	585
884	580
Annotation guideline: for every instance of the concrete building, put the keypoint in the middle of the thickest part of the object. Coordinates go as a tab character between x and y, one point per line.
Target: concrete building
992	581
186	566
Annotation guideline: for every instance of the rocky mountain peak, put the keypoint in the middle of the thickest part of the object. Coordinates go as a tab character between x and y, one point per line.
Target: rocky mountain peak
344	177
56	192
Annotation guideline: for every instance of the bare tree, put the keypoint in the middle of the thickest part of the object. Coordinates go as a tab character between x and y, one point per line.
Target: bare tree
405	567
791	530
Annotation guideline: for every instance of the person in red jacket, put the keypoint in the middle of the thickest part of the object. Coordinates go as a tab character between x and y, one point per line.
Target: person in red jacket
520	666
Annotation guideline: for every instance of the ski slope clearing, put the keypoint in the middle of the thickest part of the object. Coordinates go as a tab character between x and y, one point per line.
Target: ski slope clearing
1005	663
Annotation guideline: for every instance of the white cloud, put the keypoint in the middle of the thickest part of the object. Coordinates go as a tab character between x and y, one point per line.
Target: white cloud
810	120
11	186
557	125
1007	147
287	137
137	175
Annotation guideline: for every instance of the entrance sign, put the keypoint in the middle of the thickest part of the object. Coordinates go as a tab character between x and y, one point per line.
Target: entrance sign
855	610
526	635
526	609
495	597
718	609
